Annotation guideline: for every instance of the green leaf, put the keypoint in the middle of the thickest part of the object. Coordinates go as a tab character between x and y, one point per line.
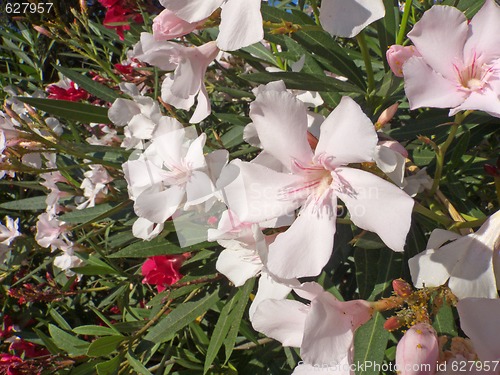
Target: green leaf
304	81
157	246
47	341
444	322
93	330
88	84
136	364
180	317
236	316
109	367
26	204
220	332
67	110
370	342
365	272
104	346
67	342
88	215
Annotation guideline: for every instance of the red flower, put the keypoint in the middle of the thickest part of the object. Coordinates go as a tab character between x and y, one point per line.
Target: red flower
162	270
71	94
117	15
29	349
124	69
8	363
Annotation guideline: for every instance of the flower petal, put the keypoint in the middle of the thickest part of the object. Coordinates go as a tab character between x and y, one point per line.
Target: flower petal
440	37
347	18
479	321
282	320
256	193
347	134
487	100
281	123
159	206
484	33
305	247
192	10
270	288
426	88
367	197
238	265
241	24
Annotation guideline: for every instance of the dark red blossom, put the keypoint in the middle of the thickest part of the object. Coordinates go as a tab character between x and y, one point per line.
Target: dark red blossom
72	94
118	15
162	270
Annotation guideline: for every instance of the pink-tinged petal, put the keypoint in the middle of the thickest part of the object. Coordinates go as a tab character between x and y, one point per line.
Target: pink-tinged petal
141	175
484	33
216	160
169	147
440	37
199	189
467	262
305	247
426	88
347	18
430	267
281	123
122	111
392	163
146	229
168	26
238	265
329	329
168	97
282	320
192	10
203	108
479	321
347	134
486	100
194	156
270	288
367	197
256	193
141	127
159	206
156	53
241	24
439	237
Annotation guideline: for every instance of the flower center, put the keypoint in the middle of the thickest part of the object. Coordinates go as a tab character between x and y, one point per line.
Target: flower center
474	76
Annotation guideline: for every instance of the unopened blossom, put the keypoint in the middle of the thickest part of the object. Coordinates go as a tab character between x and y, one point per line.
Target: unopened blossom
397	55
313	180
241	21
346	18
460	63
186	84
323	329
167	26
390	156
418	351
469	264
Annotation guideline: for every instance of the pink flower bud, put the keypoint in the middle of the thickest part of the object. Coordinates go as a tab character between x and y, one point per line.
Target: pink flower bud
418	351
397	55
168	26
402	288
387	115
393	323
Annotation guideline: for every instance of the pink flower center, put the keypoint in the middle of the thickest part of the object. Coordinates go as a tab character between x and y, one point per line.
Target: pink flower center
474	76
